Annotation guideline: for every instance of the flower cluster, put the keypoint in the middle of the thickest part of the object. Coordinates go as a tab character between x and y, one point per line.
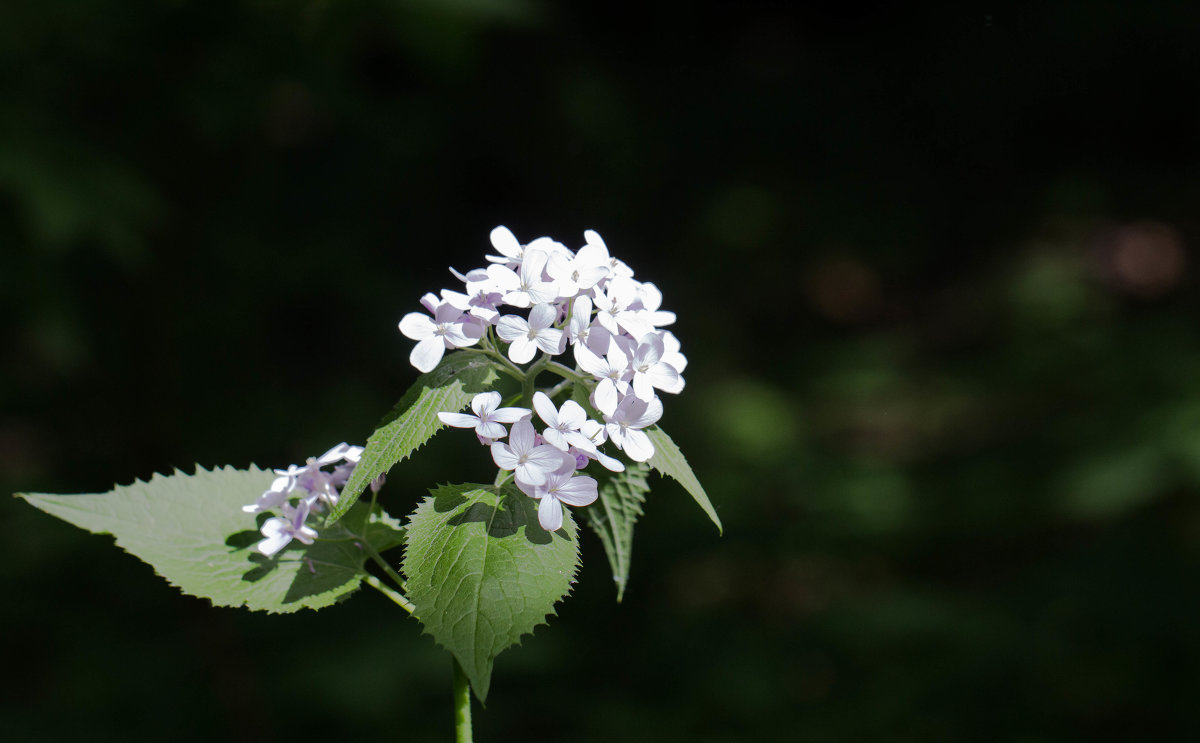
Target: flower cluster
301	492
586	301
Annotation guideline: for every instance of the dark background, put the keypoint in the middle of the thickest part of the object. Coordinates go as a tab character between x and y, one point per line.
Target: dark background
934	271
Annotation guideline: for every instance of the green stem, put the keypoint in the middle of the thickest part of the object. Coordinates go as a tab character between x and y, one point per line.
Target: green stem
556	368
462	704
388	569
531	377
396	596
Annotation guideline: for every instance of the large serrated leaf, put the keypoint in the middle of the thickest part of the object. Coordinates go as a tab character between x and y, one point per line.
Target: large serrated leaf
413	421
191	529
669	461
482	572
613	515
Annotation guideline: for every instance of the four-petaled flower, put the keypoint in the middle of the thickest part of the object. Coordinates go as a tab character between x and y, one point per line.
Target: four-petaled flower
530	461
449	328
625	423
488	416
526	337
279	531
649	371
559	488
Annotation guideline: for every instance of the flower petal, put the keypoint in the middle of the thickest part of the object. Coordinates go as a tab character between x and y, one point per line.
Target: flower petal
417	326
550	340
509	415
503	456
545	408
522	349
637	445
504	241
578	491
509	327
550	513
521	438
542	316
426	354
490	430
572	415
458	420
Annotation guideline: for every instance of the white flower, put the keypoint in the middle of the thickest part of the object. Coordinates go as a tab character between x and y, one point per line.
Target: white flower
531	461
625	424
505	243
581	331
488	416
449	328
279	531
612	371
596	247
650	299
615	310
578	273
475	274
648	369
525	286
672	356
563	423
528	336
558	489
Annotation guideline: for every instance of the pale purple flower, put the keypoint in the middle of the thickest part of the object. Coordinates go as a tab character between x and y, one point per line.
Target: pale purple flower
531	461
279	531
482	303
274	496
488	416
527	336
314	482
559	489
625	423
448	328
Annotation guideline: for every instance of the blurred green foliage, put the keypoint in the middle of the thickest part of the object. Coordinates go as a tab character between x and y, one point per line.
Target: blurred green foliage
933	269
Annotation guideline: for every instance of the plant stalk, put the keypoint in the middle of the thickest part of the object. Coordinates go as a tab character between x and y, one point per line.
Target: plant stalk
462	704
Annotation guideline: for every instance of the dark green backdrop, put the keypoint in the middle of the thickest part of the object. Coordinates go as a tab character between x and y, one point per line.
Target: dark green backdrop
935	273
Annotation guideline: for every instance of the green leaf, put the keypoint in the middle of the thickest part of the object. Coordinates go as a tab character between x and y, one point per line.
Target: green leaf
669	461
191	529
613	515
482	572
413	421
